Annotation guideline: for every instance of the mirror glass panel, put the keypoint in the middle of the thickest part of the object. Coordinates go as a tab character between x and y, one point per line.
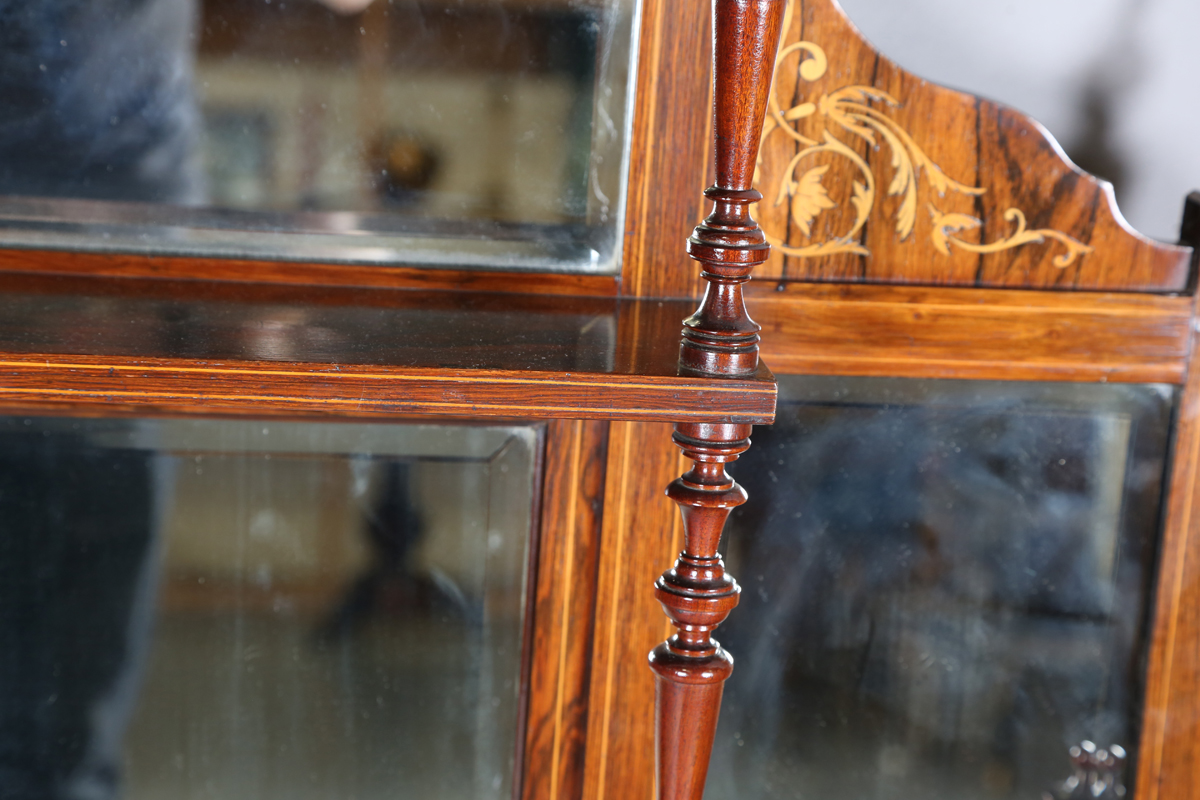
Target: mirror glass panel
277	610
488	133
944	589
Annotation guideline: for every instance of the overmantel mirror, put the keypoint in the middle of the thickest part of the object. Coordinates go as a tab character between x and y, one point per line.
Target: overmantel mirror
341	377
482	134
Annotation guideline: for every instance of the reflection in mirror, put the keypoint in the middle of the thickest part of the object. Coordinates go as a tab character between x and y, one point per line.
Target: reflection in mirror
945	587
489	133
197	609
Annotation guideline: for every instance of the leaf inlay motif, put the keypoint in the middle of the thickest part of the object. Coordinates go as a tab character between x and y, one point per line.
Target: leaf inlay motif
848	110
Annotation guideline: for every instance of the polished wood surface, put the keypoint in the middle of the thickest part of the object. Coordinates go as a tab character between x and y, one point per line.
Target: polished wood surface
642	531
1168	759
931	332
697	595
163	319
563	624
872	174
473	342
720	338
88	385
156	347
668	149
134	265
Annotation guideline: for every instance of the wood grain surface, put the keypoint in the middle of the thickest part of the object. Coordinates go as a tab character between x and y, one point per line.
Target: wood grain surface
134	265
669	149
1168	759
90	384
642	534
165	347
921	332
564	610
861	156
697	595
719	338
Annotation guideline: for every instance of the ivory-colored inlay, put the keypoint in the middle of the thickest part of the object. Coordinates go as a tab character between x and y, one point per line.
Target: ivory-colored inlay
847	111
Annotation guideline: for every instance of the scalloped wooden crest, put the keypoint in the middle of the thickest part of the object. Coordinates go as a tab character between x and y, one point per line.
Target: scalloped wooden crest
869	173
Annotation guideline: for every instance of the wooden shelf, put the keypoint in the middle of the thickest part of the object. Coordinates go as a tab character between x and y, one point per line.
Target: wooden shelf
160	347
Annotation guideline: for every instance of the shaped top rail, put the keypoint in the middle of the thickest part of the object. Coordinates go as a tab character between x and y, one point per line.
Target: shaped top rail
872	174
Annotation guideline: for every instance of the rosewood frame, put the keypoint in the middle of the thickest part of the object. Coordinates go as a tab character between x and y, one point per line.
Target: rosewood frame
589	732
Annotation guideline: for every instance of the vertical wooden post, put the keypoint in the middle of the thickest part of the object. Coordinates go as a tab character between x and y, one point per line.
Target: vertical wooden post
719	339
697	595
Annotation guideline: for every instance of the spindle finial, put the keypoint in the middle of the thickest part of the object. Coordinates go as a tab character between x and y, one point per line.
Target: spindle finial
720	338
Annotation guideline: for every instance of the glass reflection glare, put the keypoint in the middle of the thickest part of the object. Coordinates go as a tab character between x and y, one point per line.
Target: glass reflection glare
429	127
197	609
944	587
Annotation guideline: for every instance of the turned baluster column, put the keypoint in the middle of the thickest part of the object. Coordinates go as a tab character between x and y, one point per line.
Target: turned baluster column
697	595
719	339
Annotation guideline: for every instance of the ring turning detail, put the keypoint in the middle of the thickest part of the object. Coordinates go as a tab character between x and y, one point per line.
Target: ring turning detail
719	340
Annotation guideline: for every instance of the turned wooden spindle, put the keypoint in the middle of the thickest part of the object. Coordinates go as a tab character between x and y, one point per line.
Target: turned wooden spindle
697	595
719	339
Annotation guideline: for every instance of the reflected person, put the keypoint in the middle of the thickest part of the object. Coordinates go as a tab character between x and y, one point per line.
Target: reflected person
96	102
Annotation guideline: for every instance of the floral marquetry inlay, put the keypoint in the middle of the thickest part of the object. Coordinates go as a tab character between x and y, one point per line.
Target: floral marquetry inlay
852	115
